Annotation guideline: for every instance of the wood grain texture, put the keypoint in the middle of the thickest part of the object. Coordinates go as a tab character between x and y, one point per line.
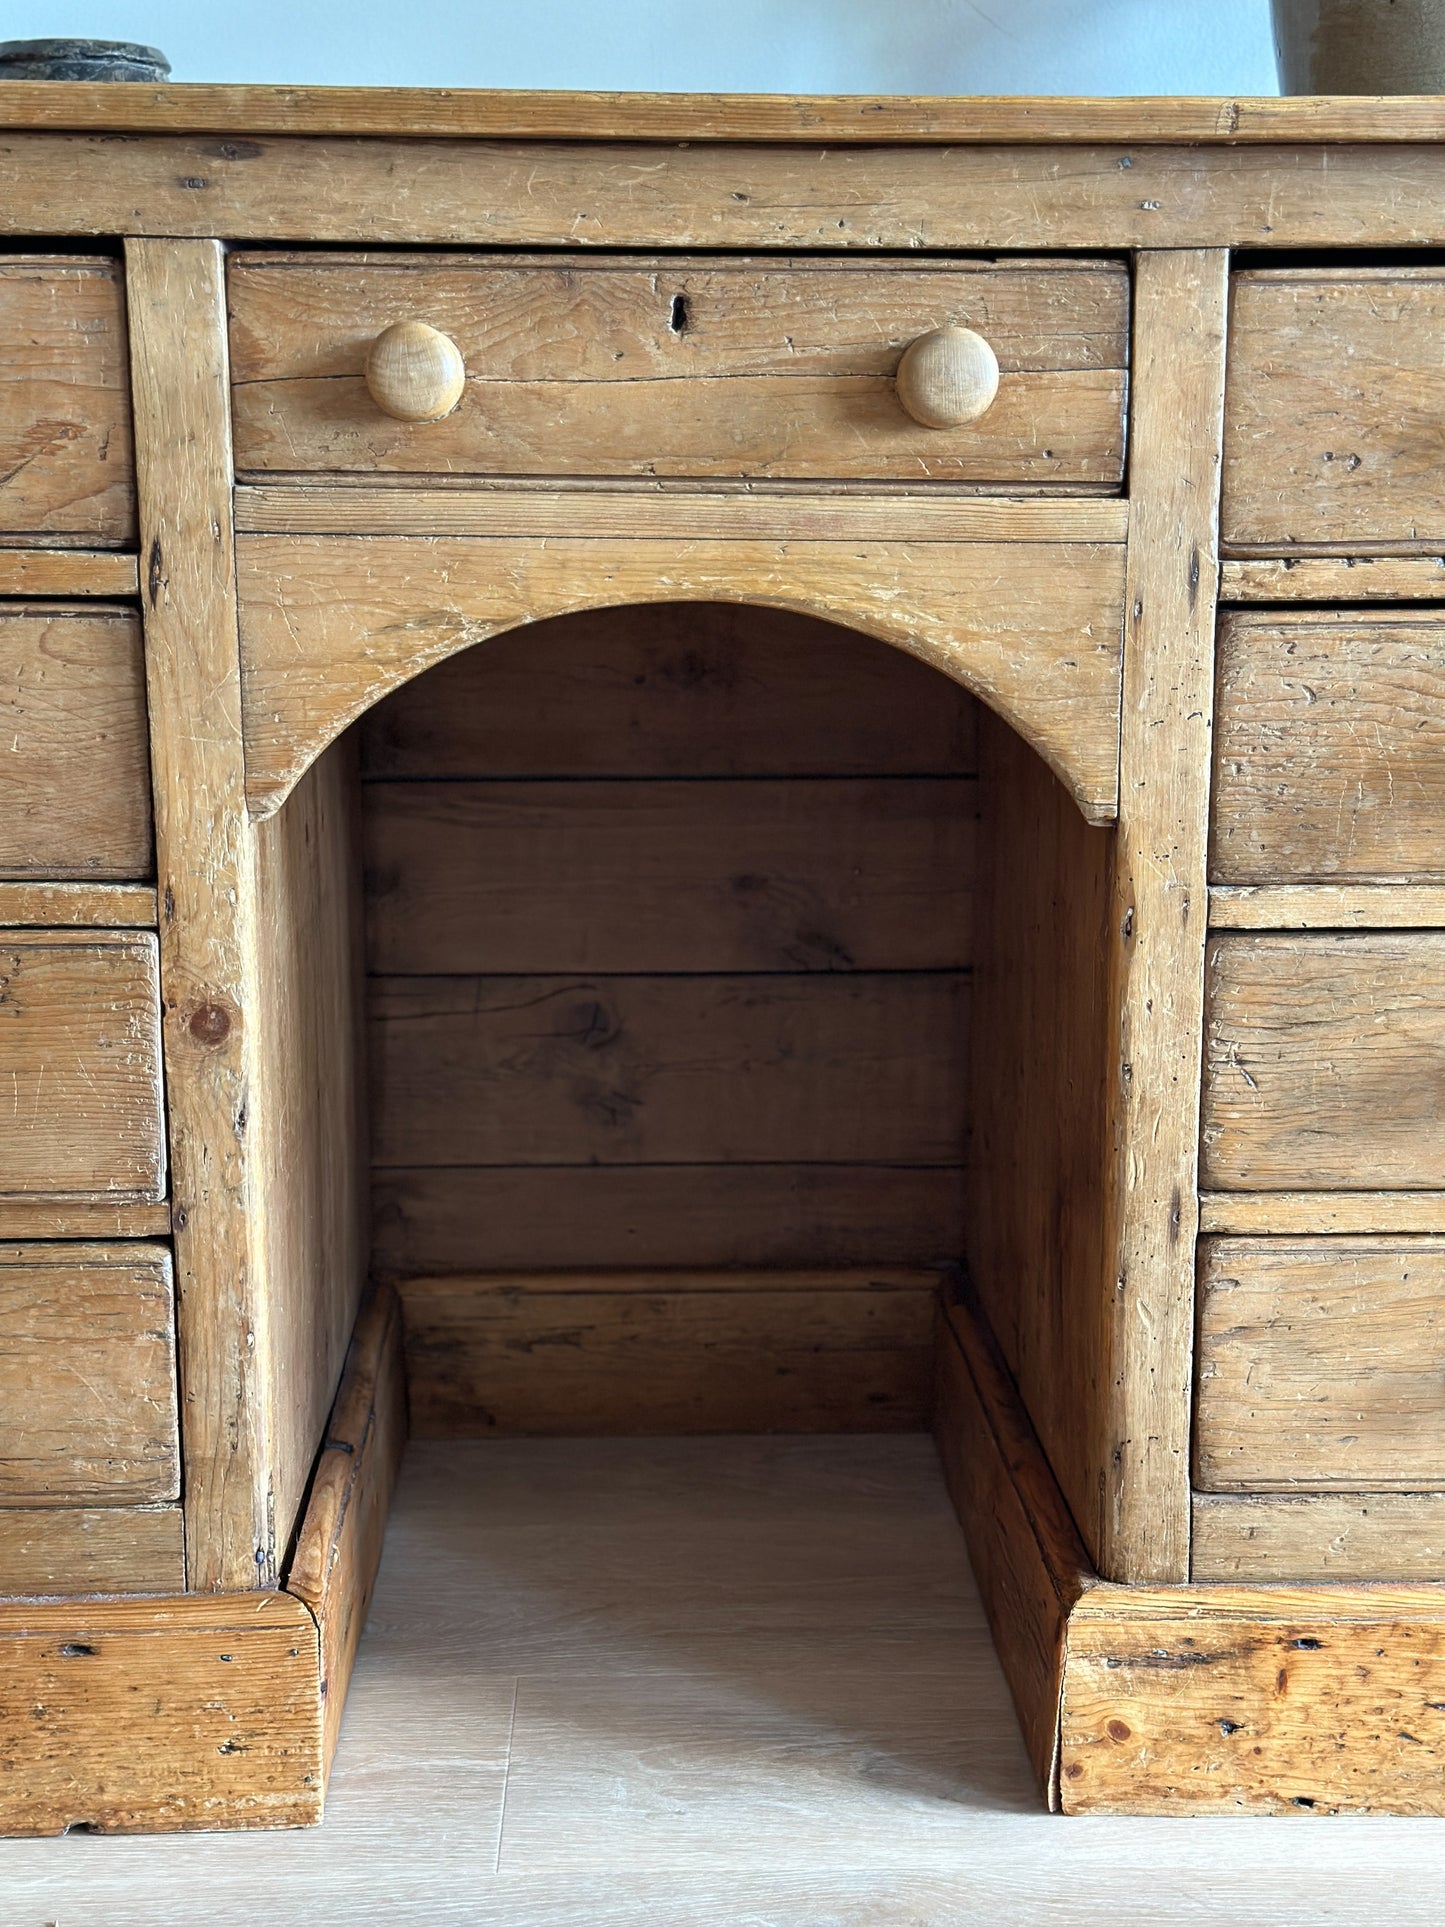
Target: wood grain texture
1039	1057
528	114
1158	913
1333	578
67	572
1322	1062
603	1353
310	1135
843	874
83	1116
510	1217
330	625
1335	393
578	194
1320	1364
673	1070
1329	742
78	906
678	367
761	511
87	1375
674	689
159	1716
91	1549
1252	1213
42	1217
1255	1699
1028	1559
73	726
1402	905
338	1546
65	435
1331	1537
206	879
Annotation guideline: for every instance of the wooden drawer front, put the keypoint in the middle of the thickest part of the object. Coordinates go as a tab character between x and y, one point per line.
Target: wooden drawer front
680	368
1329	748
1325	1062
80	1065
1335	410
65	437
87	1375
73	744
1321	1364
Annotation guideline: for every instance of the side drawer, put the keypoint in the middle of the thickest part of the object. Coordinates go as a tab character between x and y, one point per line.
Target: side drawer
1321	1365
66	467
1334	410
73	744
80	1054
1324	1062
87	1375
674	367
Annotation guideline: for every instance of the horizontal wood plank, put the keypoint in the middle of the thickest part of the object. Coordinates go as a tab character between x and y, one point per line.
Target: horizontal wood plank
674	689
1327	906
669	1352
91	1549
82	1218
1331	578
1253	1213
503	1218
669	876
1323	1061
66	467
1329	743
329	625
84	1111
68	572
88	1404
75	752
1328	1537
674	1070
78	906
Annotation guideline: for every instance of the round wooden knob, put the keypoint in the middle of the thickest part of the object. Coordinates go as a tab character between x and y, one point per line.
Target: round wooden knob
948	377
415	372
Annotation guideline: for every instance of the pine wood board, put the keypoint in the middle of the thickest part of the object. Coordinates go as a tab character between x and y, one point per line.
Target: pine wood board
1251	1213
78	906
1400	905
1327	1536
1320	1061
768	875
87	1375
67	572
1319	1364
1329	578
564	194
84	1118
91	1549
65	431
838	1068
674	689
514	1217
330	625
1328	742
529	114
605	1353
76	761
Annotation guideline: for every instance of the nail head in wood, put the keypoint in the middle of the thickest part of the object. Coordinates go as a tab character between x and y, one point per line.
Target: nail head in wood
948	377
415	372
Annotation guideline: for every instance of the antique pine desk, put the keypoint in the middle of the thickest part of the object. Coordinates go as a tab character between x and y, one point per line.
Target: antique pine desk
583	850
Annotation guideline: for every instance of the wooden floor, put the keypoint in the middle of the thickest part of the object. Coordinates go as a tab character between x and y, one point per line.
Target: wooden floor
703	1683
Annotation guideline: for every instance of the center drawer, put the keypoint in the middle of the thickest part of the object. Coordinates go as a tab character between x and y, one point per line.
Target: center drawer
618	367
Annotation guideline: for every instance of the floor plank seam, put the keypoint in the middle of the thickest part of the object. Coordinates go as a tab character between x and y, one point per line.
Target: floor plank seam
507	1773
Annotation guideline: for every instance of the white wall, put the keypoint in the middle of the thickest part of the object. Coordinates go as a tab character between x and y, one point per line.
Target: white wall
754	46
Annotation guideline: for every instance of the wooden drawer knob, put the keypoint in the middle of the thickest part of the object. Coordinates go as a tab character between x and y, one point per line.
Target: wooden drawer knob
948	377
415	372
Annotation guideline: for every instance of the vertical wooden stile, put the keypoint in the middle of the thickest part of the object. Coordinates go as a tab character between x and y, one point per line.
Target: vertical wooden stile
1160	909
206	884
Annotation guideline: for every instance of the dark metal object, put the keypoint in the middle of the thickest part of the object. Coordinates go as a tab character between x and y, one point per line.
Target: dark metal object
81	60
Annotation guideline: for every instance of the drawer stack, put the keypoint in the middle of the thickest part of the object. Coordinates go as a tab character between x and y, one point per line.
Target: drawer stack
1320	1378
89	1448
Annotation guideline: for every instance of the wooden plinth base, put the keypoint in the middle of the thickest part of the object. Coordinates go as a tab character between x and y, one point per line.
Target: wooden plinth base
1168	1699
210	1711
